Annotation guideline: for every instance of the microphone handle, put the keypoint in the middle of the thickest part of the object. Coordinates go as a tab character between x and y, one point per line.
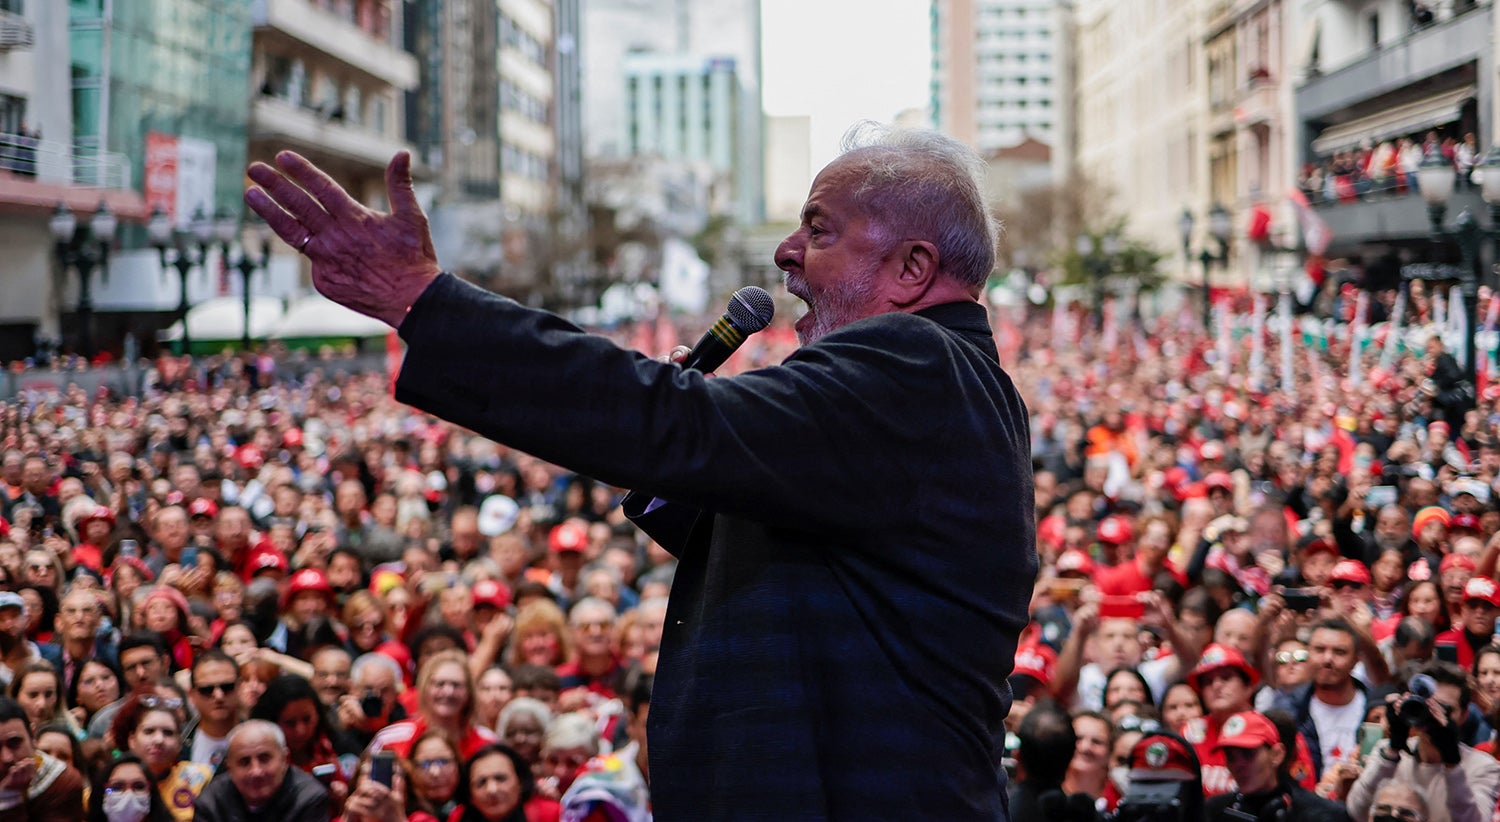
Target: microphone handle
715	347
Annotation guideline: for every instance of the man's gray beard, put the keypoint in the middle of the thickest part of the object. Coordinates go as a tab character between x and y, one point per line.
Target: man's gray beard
1395	543
836	308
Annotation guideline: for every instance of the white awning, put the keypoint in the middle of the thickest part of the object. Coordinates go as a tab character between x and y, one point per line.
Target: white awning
318	316
223	318
1397	121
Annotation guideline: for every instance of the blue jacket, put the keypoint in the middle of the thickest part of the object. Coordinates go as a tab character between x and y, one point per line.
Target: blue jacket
1299	704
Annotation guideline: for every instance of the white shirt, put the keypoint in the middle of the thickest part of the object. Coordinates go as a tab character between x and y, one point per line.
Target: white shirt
1091	682
1338	728
208	750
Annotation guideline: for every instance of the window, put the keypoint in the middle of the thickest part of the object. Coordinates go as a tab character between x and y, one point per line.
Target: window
13	6
1374	29
12	114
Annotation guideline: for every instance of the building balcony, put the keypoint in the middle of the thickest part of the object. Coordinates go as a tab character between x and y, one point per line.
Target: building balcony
310	28
289	126
1427	52
15	32
1257	103
39	174
1389	217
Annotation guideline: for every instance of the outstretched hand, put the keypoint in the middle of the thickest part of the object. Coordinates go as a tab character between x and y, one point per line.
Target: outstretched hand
374	263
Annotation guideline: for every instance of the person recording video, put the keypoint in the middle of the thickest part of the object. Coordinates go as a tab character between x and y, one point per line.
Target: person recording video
1256	755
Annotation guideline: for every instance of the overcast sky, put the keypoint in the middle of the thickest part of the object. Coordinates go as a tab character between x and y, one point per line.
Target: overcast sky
840	61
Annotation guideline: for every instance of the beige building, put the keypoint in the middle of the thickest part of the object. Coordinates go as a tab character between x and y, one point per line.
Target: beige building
327	81
996	70
1141	118
788	167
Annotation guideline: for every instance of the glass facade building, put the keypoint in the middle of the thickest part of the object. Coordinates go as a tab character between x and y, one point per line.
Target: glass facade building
174	67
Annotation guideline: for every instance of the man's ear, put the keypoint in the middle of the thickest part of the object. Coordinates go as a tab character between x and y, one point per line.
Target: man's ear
919	261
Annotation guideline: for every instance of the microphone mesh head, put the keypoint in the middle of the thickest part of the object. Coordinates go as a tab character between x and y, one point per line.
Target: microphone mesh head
751	309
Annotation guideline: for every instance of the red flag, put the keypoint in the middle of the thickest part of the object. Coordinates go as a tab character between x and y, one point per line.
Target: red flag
1314	230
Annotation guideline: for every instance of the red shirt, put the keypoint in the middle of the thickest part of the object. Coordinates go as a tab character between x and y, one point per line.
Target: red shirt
401	736
1123	580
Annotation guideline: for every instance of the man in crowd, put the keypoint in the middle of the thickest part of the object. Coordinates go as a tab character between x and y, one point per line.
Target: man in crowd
143	660
260	782
15	649
34	786
592	621
893	250
1481	606
1450	774
216	699
371	703
77	637
1329	709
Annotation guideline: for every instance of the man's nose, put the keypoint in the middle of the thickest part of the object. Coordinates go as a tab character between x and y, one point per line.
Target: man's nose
789	253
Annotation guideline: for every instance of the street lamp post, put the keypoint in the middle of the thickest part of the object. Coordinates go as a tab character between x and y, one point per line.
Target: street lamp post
226	228
84	248
1098	259
163	237
1219	227
1435	178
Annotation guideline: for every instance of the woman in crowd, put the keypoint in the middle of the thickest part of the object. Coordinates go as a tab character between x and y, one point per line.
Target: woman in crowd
62	744
571	740
238	640
255	675
38	689
41	610
1179	705
365	618
522	725
125	577
541	636
1088	773
1386	578
493	690
291	703
126	791
96	684
445	701
435	765
1126	683
165	611
494	786
44	570
151	730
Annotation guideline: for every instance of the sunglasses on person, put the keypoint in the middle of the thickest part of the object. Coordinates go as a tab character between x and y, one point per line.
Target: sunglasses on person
1288	657
212	689
1394	813
1132	722
171	703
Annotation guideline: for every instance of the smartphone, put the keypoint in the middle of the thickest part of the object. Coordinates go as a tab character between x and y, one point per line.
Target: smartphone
382	766
1297	599
1370	734
1380	496
1446	653
325	773
129	548
1067	590
189	557
1113	607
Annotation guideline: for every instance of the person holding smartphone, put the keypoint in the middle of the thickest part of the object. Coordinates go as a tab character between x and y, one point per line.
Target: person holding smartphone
1476	628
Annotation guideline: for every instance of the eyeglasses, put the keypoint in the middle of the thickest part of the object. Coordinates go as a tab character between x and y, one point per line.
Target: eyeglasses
126	787
171	703
448	684
1288	657
367	626
435	764
593	626
210	690
39	566
330	675
1395	813
1132	722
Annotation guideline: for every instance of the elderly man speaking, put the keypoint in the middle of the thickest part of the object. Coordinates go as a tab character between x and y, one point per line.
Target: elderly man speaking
854	527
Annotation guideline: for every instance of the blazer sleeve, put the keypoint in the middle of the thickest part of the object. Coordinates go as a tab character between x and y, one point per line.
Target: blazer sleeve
788	445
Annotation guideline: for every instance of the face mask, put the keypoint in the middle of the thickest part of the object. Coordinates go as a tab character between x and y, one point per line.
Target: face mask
126	806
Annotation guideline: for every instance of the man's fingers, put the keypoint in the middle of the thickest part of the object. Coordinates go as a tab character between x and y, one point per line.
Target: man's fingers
285	225
289	196
328	193
398	188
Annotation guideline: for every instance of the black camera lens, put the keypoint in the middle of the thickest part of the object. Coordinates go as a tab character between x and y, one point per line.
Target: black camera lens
371	704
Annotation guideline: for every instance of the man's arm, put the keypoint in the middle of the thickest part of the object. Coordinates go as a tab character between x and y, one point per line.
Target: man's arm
1472	786
1070	661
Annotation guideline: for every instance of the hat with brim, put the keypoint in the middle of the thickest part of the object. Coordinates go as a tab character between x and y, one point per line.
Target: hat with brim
1161	758
1218	657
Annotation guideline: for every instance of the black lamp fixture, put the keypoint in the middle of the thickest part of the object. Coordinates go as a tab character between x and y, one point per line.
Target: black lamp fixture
226	230
84	248
1219	227
164	236
1099	257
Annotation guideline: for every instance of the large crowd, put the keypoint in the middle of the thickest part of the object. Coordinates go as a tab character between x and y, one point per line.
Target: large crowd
243	596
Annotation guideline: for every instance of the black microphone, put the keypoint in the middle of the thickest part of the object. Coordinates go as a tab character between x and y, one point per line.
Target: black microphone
750	310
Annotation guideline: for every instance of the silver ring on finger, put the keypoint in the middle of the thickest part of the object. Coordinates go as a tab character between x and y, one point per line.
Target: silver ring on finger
302	246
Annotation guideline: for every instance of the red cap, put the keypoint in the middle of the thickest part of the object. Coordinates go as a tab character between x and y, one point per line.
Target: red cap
1216	657
1352	571
1218	479
309	579
1318	545
491	593
570	536
97	512
203	507
1211	450
248	456
4	527
292	437
1162	758
1036	661
266	559
1115	530
1463	561
1467	522
1484	589
134	562
1076	562
1248	730
169	594
1050	530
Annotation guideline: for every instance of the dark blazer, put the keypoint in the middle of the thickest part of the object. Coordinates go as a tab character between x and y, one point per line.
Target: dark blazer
301	798
855	538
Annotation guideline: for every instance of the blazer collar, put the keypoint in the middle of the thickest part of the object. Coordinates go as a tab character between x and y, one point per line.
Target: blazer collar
969	319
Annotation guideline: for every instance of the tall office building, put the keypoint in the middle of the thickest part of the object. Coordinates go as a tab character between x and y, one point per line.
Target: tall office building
706	38
995	73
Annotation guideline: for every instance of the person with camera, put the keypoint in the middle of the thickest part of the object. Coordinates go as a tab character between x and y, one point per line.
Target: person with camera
1451	775
1481	607
1252	748
372	701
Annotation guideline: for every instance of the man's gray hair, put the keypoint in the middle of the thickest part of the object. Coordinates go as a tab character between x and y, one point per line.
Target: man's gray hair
591	604
523	706
1405	790
253	726
569	731
922	185
379	661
